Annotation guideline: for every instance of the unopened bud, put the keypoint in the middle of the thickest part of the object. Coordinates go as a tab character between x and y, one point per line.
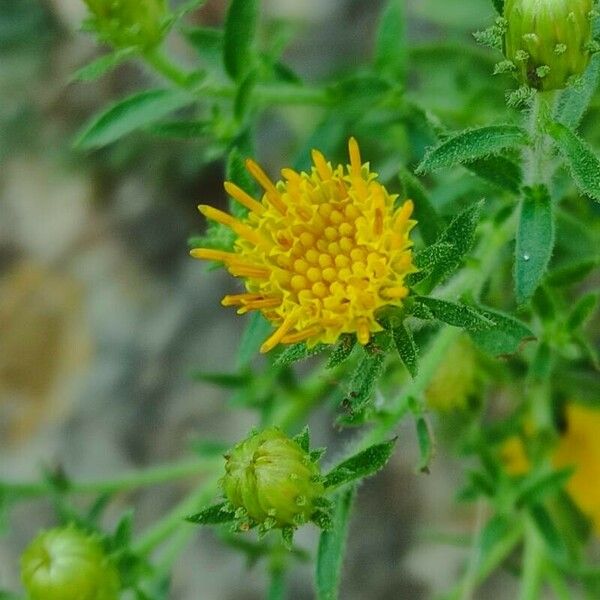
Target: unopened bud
272	479
68	564
129	23
548	41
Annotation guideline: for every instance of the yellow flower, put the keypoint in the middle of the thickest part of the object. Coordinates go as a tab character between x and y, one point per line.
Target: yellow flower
580	447
513	456
320	253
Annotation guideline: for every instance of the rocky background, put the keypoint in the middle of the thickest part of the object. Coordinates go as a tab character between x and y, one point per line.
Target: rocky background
103	315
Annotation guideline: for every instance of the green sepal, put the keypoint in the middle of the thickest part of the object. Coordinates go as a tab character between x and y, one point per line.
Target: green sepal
407	349
296	352
287	536
214	515
472	144
322	519
341	351
303	439
361	465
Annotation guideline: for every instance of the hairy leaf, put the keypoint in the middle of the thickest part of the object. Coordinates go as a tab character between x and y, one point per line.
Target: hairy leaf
471	145
583	163
365	463
342	351
213	515
407	349
134	112
499	170
458	315
535	241
503	339
296	352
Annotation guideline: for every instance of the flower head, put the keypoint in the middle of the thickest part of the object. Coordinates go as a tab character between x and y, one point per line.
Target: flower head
320	253
272	478
67	564
547	40
126	23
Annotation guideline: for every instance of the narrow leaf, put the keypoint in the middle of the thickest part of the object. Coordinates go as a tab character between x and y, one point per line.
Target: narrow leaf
390	48
331	550
254	335
185	130
471	145
503	339
296	352
365	463
461	235
407	349
582	311
102	65
571	273
426	446
534	490
583	163
498	170
574	101
535	241
429	223
213	515
458	315
553	540
127	115
240	30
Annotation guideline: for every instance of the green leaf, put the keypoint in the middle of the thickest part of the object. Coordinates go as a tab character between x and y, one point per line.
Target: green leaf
254	335
102	65
242	104
505	338
429	258
185	130
365	463
583	310
364	379
207	41
429	223
553	540
426	445
535	241
471	145
213	515
574	101
342	351
458	315
296	352
332	544
240	31
407	349
232	381
534	489
390	47
499	6
461	235
134	112
498	170
303	439
583	163
573	272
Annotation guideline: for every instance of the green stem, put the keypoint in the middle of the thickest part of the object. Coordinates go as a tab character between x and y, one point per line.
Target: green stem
128	481
533	563
163	65
193	502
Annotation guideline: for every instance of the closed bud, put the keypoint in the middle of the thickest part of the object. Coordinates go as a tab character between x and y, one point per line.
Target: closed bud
68	564
272	479
548	41
129	23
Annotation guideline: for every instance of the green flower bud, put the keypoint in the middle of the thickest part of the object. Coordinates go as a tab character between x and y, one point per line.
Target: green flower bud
127	23
68	564
548	40
272	479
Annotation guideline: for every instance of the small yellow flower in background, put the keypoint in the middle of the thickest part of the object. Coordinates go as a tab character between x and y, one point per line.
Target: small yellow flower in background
580	447
320	253
513	456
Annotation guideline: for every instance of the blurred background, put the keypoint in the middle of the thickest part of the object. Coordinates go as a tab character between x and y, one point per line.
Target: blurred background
103	316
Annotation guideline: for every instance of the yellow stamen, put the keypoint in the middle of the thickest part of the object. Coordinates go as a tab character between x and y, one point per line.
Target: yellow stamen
210	254
263	179
236	299
240	228
355	161
363	334
300	336
394	293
